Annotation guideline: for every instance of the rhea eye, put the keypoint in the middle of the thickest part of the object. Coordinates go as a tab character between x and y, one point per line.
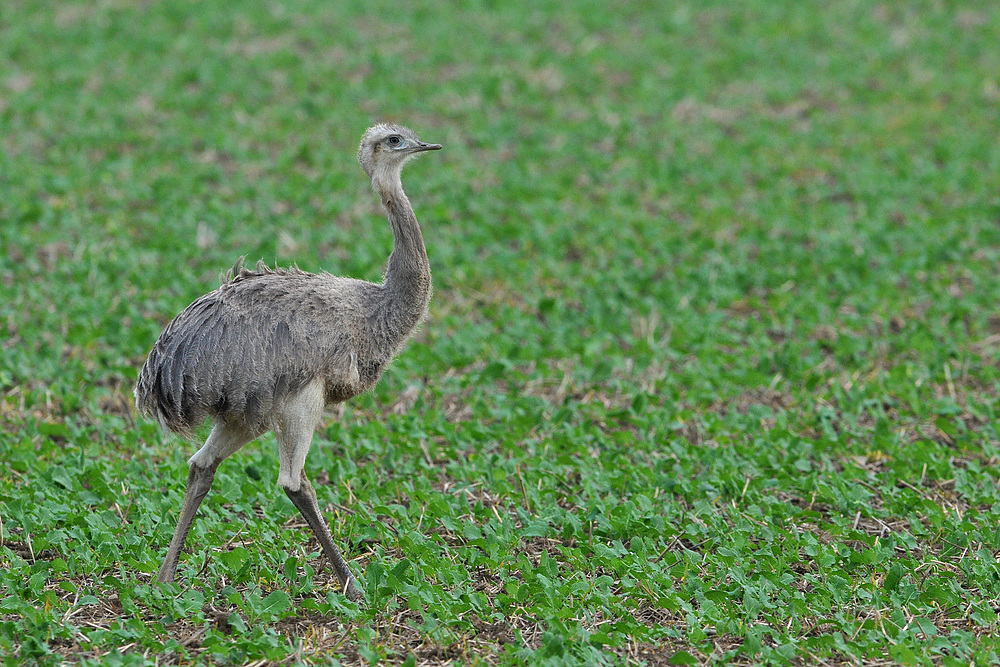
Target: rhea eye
395	140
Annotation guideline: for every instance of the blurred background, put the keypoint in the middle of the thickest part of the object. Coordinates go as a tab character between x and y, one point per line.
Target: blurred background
800	165
689	254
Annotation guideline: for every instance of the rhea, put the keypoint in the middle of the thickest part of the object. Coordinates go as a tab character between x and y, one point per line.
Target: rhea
271	348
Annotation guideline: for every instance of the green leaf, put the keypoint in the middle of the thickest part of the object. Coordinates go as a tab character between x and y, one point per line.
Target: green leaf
946	426
291	568
682	658
893	576
275	603
234	558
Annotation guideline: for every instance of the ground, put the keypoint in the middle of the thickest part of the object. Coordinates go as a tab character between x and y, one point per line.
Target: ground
709	376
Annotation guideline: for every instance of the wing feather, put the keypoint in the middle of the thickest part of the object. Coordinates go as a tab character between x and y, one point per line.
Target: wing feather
257	339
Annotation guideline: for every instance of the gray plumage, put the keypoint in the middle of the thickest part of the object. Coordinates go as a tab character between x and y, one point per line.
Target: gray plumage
270	347
263	336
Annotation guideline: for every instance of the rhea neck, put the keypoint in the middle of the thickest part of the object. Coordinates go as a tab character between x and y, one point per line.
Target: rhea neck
408	272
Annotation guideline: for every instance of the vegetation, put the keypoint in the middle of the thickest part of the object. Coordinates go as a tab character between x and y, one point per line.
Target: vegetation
709	377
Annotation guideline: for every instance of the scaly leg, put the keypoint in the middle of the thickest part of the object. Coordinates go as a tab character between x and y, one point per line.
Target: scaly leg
198	484
294	423
305	500
223	441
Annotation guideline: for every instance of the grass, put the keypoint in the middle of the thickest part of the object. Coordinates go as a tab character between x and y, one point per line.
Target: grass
710	374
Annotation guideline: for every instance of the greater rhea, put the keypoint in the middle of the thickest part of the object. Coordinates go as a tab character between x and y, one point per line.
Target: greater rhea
270	348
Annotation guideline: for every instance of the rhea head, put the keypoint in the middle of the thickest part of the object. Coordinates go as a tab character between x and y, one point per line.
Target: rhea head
385	148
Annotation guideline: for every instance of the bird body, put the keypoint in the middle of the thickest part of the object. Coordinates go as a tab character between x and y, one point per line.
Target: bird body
264	335
270	348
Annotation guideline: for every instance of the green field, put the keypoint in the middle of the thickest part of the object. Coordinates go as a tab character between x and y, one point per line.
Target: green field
709	375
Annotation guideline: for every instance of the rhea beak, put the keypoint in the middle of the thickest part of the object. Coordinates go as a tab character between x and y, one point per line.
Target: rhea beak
421	146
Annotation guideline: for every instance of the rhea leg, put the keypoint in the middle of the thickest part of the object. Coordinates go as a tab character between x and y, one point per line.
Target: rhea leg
223	441
294	426
198	484
305	500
